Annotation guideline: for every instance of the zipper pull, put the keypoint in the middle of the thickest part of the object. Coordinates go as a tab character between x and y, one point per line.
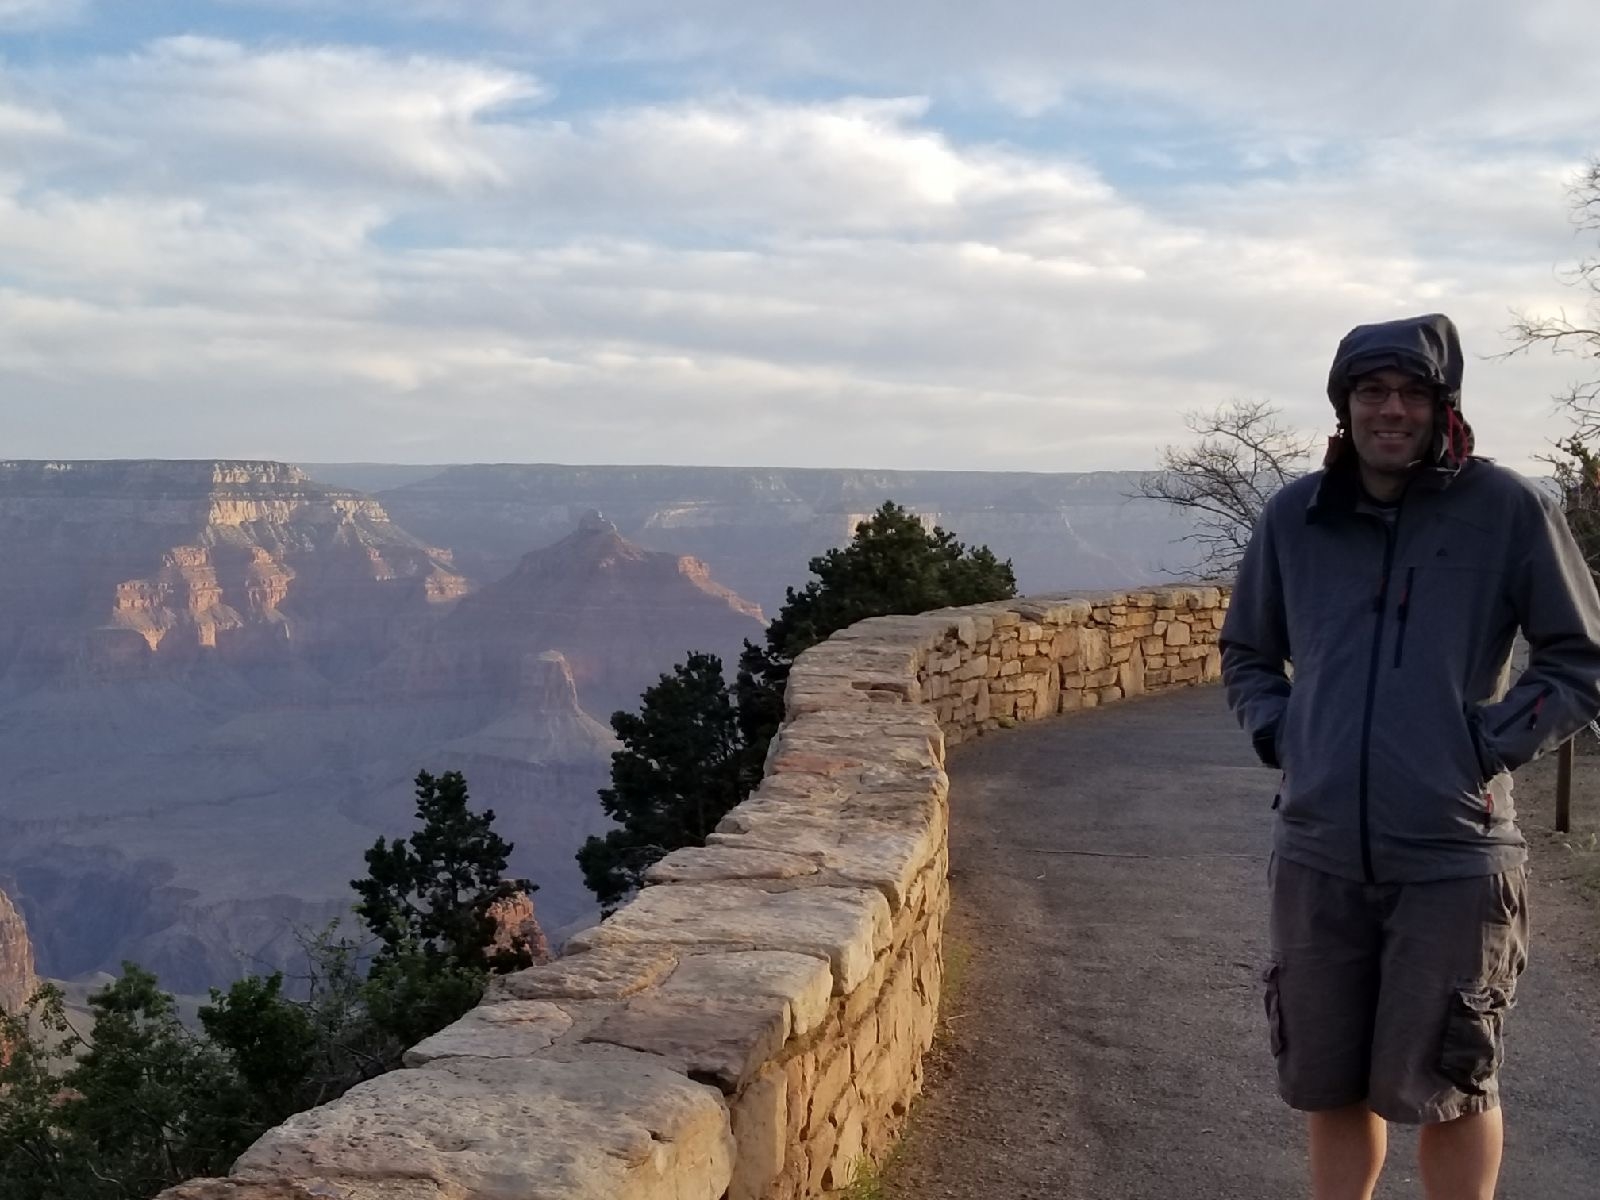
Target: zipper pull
1533	717
1488	809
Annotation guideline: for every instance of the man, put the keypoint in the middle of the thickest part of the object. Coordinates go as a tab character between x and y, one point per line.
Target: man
1394	580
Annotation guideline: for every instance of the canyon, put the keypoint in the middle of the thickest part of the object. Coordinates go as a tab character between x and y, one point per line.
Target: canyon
218	679
757	528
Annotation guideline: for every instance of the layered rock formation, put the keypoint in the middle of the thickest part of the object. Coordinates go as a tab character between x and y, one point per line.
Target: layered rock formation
758	528
17	978
618	614
130	568
219	680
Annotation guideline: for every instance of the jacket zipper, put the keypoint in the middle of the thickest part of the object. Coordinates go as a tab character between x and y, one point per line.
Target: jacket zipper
1403	613
1379	604
1529	710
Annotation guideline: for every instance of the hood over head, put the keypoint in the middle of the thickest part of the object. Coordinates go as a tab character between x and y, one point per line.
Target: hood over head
1427	346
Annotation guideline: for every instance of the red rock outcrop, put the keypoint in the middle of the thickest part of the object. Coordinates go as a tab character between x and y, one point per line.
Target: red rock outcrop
17	978
516	925
116	568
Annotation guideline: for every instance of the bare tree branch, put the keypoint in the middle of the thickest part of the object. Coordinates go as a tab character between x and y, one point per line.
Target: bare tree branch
1244	454
1563	334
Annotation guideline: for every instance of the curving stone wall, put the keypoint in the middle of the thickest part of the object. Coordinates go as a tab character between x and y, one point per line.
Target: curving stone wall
753	1024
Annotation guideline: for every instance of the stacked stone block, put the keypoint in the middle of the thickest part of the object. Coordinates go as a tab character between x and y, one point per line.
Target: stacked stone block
752	1025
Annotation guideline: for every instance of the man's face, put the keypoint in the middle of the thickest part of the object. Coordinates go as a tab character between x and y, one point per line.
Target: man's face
1391	420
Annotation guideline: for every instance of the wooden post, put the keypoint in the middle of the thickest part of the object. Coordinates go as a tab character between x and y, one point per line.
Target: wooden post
1564	787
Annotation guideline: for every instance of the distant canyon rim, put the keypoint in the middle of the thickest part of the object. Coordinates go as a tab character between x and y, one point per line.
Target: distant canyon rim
218	678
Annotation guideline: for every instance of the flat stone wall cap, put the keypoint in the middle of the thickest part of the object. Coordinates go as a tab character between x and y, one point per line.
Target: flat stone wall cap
847	926
509	1029
812	798
908	722
825	761
899	625
857	679
711	864
717	1039
604	973
839	731
883	848
802	981
798	699
878	654
867	743
233	1189
623	1126
1058	613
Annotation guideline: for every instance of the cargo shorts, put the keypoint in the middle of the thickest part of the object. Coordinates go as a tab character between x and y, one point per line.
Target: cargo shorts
1393	994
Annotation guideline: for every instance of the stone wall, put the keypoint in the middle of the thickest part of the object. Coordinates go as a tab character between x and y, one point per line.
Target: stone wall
752	1025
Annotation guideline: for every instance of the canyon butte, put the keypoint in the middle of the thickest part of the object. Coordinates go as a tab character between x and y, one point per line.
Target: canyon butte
218	679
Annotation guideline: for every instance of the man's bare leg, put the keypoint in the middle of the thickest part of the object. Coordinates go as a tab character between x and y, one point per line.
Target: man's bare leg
1460	1159
1347	1149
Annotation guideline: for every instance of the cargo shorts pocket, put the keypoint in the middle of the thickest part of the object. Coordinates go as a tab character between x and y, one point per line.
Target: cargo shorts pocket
1274	1010
1470	1055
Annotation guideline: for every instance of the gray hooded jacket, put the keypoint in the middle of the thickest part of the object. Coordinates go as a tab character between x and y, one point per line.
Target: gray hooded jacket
1394	748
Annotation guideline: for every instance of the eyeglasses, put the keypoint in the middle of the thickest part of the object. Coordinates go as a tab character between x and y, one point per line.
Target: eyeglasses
1412	395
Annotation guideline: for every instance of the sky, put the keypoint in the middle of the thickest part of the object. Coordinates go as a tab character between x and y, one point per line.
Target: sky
1025	235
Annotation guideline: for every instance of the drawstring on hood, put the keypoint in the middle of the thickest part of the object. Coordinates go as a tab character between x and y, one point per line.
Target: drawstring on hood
1428	347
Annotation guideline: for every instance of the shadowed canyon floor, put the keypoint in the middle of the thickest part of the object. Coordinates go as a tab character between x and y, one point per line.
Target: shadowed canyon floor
1104	1034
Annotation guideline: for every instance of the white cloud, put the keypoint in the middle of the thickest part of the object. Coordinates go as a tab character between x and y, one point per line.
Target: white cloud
330	253
19	124
337	114
33	14
1462	68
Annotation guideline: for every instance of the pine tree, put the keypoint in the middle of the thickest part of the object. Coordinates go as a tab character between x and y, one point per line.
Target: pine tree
146	1103
678	773
696	748
893	564
428	904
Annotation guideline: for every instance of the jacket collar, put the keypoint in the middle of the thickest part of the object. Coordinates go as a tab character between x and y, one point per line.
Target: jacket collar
1339	490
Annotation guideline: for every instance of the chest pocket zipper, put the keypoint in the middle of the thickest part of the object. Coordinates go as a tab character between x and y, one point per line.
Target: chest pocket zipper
1403	613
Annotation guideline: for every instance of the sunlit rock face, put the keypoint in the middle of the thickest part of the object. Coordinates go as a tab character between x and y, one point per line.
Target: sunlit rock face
517	928
169	633
218	681
17	978
140	569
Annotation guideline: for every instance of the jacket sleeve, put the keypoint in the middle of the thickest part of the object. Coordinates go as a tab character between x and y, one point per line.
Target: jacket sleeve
1255	644
1559	611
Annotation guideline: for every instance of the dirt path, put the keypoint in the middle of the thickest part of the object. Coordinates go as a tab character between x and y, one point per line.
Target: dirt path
1104	1036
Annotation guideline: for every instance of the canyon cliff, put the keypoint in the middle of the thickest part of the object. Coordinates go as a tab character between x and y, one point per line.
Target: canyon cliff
618	615
757	528
219	679
17	978
138	569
